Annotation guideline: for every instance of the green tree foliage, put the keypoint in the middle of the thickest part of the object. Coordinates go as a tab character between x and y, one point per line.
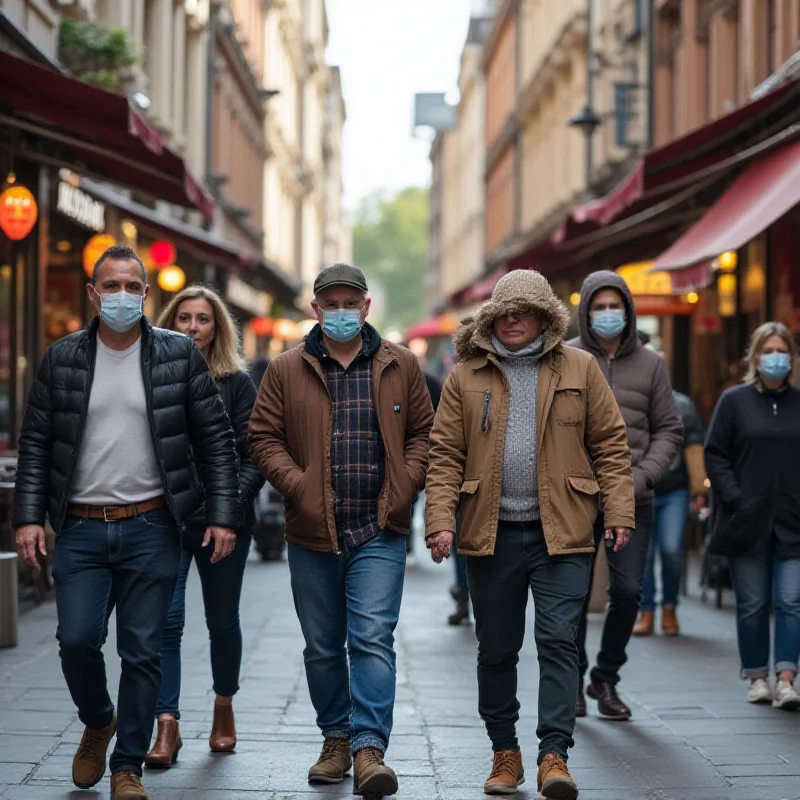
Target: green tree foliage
390	243
96	53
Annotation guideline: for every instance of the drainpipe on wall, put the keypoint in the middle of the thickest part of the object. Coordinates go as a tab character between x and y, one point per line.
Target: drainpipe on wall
517	121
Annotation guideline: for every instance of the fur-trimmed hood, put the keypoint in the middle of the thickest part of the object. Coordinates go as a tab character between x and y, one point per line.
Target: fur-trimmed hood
522	291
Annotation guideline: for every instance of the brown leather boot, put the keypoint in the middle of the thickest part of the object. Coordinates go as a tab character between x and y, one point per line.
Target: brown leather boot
609	704
223	730
334	762
164	752
127	786
372	778
461	614
554	780
507	773
89	764
669	621
644	624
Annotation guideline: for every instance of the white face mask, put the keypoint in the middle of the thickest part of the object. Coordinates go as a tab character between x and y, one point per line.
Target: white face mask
120	310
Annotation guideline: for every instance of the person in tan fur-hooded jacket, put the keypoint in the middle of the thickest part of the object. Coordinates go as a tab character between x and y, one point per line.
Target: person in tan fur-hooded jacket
528	444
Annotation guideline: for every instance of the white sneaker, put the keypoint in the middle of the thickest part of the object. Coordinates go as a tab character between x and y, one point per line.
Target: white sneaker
786	696
759	692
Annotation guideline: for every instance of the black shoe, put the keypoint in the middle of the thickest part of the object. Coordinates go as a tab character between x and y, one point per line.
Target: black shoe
580	706
608	703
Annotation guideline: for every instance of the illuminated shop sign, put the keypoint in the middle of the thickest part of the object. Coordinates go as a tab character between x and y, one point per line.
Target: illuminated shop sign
80	207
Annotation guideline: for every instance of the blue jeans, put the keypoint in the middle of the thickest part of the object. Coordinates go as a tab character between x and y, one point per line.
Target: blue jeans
222	587
130	565
759	581
500	584
671	513
353	601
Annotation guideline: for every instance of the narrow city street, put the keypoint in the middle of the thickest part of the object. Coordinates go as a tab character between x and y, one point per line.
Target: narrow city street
693	736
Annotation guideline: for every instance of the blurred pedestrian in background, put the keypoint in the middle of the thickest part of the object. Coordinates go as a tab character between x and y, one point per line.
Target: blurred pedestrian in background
751	455
640	383
527	444
200	313
682	488
114	418
340	428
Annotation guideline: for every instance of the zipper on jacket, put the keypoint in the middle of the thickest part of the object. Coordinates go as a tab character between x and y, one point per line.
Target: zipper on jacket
487	396
774	408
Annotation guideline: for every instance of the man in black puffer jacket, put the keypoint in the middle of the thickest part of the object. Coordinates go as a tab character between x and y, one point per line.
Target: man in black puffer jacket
120	420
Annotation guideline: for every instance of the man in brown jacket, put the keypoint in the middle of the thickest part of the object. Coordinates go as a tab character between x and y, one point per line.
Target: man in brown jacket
640	382
527	443
340	428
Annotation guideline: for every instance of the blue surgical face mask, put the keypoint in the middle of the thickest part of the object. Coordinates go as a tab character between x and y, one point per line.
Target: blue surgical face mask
120	310
342	325
775	366
608	323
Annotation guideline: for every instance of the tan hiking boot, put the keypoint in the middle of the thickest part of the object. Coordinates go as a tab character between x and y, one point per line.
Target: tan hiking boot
507	773
644	624
89	764
669	621
555	782
372	778
334	762
127	786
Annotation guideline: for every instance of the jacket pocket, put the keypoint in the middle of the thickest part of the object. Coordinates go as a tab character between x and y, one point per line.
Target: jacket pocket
586	492
570	406
470	486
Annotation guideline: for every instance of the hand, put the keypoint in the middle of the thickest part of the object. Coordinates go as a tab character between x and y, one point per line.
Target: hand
622	535
29	537
440	545
224	542
698	502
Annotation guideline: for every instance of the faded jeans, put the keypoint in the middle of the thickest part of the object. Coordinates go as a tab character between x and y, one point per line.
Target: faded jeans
348	608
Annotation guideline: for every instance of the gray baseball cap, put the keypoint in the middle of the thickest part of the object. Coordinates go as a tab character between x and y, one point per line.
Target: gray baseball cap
340	275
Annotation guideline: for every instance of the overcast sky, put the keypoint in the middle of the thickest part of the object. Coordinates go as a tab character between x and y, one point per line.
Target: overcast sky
388	50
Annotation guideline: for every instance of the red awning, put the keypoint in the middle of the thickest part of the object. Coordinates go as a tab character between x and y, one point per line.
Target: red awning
763	193
443	325
101	131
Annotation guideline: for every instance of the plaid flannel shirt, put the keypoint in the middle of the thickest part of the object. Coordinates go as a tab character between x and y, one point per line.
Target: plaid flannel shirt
357	451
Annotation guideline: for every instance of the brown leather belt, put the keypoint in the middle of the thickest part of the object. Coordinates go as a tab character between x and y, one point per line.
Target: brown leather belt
115	513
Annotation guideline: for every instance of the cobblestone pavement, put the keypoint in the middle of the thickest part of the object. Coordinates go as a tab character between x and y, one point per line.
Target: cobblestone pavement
693	736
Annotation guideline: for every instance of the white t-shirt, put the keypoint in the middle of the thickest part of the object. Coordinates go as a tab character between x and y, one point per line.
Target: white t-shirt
117	464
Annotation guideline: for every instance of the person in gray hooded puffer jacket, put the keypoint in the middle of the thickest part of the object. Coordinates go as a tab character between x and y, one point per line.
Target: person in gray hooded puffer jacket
640	382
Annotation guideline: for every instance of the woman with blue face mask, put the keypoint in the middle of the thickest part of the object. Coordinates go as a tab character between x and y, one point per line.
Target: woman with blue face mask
752	460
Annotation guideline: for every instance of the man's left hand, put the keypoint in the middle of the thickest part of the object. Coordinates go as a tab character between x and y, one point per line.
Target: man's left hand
622	536
224	542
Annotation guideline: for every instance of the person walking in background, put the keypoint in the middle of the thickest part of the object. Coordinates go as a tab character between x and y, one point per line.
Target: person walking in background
105	452
751	455
527	443
201	314
340	428
682	487
639	380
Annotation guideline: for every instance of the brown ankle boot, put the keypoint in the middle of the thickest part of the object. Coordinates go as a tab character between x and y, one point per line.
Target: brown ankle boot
89	764
372	778
223	731
669	621
461	613
555	782
507	773
164	752
334	762
127	786
644	624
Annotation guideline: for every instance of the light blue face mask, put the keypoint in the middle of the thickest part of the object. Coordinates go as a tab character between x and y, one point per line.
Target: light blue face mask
120	310
775	366
342	325
608	323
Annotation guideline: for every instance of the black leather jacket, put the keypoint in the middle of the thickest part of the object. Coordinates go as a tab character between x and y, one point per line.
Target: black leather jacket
239	396
186	415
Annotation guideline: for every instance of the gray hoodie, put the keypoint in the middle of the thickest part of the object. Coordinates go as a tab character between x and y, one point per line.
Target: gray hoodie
640	382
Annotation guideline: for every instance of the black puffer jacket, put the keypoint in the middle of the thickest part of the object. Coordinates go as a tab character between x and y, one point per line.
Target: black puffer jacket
186	414
239	396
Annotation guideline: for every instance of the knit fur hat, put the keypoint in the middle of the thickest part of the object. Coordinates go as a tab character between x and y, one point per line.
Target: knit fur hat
522	291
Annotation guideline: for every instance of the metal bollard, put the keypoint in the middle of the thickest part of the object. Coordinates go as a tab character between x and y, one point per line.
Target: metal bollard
9	600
